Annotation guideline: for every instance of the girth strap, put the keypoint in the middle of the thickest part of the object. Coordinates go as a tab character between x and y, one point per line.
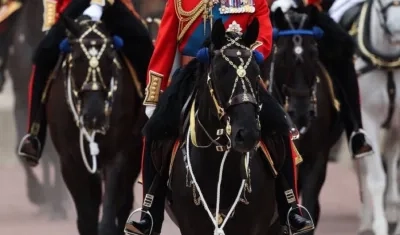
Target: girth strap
391	89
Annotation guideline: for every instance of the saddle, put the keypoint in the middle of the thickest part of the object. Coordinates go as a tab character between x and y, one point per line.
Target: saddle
350	16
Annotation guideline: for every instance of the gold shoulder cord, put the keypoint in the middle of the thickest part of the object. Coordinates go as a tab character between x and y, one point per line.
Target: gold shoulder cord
188	17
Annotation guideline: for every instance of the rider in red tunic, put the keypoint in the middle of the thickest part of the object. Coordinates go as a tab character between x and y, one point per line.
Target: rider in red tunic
120	18
185	27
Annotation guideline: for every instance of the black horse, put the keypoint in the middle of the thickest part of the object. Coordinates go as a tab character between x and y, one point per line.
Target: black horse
220	143
23	35
107	102
301	84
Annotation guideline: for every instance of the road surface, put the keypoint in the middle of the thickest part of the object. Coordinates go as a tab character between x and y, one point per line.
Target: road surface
17	216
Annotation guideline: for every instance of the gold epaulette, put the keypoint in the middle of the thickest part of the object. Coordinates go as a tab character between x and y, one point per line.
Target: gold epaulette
153	88
187	18
49	14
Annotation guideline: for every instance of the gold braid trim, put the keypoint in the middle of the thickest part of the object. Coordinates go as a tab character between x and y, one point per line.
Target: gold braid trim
10	9
335	102
188	17
49	14
134	76
264	149
153	88
373	58
255	45
298	158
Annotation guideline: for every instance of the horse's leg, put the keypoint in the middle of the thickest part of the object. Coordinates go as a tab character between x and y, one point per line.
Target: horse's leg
129	172
391	153
57	191
85	189
312	184
372	182
108	224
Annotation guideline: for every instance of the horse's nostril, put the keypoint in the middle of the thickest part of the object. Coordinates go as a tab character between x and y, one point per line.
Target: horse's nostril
240	136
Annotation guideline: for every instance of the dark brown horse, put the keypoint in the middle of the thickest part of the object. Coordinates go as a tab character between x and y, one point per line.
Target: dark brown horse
301	84
93	92
220	144
23	35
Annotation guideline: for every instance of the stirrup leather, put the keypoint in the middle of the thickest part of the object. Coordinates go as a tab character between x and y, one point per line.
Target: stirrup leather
298	207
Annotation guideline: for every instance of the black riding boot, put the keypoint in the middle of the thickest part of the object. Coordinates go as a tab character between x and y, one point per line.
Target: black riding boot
138	46
44	59
349	96
336	50
31	145
154	201
287	199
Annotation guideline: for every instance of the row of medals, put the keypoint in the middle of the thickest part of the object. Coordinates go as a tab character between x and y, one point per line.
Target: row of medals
235	6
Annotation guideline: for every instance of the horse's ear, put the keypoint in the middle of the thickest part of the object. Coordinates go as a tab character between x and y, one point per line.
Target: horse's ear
218	34
279	18
70	25
251	34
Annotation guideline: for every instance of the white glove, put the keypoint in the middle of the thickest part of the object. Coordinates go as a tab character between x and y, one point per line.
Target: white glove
94	11
285	5
150	110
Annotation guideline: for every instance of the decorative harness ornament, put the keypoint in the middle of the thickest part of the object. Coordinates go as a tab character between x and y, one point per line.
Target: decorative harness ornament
93	82
298	50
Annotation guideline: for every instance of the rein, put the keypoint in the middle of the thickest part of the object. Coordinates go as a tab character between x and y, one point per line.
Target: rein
247	96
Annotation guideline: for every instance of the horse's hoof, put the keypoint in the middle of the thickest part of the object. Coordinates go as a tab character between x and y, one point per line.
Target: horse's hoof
35	195
58	216
392	213
366	232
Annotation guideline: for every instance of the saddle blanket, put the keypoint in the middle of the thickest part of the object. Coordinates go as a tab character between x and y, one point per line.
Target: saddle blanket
339	7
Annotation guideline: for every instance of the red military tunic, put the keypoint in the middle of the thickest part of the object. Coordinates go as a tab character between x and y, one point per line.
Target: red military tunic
182	27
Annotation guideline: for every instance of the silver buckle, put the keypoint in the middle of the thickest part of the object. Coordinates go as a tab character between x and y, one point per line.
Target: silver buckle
148	200
219	148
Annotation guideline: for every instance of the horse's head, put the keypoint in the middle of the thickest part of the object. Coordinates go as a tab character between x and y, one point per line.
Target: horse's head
232	80
92	70
295	64
388	12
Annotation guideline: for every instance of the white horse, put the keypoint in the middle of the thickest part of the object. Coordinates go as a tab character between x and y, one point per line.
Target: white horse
378	65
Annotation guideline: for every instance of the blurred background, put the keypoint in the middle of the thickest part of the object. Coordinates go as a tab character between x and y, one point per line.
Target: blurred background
42	205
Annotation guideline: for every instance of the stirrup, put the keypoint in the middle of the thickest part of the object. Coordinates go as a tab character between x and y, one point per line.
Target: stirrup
23	140
298	207
367	140
141	211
